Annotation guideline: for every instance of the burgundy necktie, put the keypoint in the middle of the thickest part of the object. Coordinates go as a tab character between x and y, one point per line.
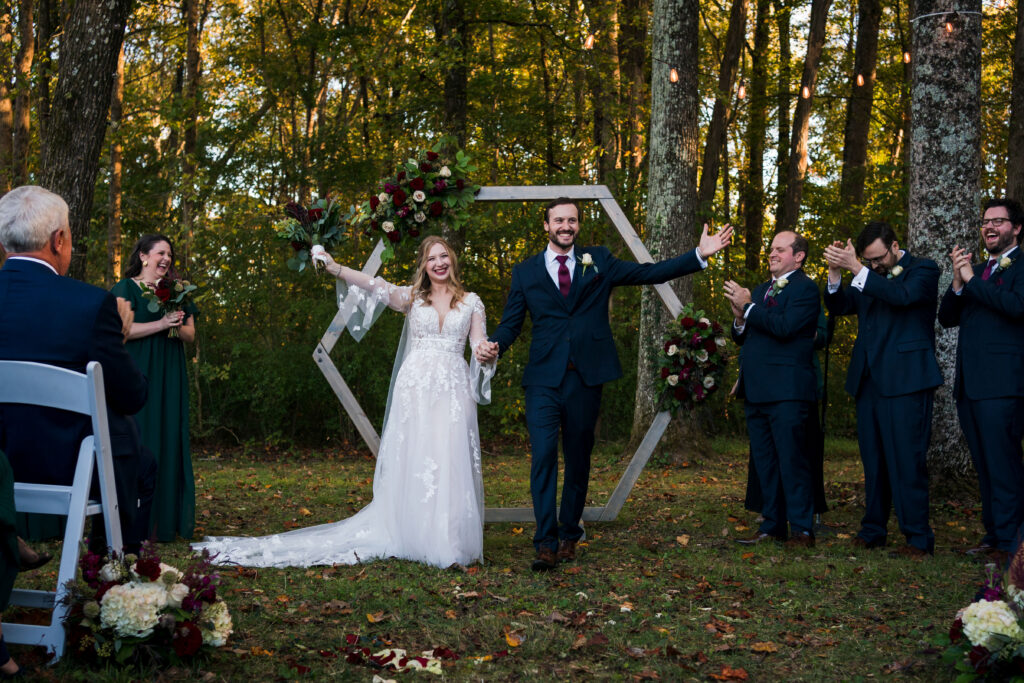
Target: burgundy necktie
564	281
768	294
985	274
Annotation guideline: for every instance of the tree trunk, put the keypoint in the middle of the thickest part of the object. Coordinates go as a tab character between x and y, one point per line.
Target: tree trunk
1015	149
734	38
453	33
782	17
190	123
602	80
858	107
44	31
945	171
632	58
671	195
89	49
802	117
22	92
757	126
6	105
113	271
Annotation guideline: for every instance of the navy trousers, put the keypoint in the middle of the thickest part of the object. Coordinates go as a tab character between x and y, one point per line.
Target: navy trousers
778	442
570	410
993	429
893	434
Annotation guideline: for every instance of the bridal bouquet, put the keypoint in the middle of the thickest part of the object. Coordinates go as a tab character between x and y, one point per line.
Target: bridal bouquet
692	360
129	607
322	223
429	191
169	294
986	640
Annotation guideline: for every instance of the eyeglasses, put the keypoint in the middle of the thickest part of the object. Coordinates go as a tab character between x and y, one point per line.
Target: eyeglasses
994	222
871	262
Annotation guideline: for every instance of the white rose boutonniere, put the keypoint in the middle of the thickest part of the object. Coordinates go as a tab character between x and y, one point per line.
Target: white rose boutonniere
1005	263
588	262
895	272
781	283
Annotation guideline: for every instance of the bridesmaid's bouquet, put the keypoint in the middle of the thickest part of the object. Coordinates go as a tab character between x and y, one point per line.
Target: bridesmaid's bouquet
167	296
126	608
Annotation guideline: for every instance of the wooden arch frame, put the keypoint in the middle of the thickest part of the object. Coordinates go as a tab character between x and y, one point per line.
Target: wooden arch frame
599	193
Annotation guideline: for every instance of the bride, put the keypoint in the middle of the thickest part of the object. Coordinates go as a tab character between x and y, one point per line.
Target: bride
428	499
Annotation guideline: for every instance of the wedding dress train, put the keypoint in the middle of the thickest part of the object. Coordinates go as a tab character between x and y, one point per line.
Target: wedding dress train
428	500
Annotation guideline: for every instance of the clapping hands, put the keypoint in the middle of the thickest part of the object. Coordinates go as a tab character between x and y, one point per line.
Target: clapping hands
738	297
963	270
840	256
710	245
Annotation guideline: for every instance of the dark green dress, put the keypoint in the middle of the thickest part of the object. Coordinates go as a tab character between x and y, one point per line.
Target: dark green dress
163	421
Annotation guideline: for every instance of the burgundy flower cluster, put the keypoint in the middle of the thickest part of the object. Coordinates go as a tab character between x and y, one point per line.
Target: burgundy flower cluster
321	223
692	360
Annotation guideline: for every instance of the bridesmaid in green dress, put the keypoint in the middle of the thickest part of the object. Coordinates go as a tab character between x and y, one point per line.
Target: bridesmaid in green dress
164	419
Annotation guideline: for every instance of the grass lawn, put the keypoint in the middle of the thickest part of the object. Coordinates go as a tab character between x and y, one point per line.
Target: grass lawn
663	593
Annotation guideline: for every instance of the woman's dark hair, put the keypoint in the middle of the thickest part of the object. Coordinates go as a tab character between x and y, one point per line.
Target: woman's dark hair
144	246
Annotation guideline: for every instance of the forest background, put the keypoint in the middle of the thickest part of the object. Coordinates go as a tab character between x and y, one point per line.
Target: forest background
219	112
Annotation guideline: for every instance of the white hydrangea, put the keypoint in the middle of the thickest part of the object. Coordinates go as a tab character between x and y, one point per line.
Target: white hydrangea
132	609
175	594
216	624
990	623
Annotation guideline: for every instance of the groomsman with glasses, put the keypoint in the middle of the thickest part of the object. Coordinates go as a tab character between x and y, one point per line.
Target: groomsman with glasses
892	375
986	300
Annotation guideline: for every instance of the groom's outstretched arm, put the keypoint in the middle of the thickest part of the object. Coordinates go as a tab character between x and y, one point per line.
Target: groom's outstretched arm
627	273
513	316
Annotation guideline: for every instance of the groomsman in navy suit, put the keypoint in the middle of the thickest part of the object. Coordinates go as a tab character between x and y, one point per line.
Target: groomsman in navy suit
776	324
892	375
986	301
565	289
48	318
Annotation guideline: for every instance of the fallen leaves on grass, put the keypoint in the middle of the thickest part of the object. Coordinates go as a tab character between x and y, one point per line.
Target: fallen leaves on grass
765	647
729	674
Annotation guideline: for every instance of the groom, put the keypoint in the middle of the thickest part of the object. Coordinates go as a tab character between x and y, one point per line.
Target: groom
566	290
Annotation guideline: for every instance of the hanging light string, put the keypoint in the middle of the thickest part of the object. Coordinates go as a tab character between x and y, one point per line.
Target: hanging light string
947	13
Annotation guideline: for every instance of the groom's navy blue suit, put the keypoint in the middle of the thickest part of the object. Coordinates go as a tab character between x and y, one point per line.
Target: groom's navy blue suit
778	383
989	391
893	375
572	354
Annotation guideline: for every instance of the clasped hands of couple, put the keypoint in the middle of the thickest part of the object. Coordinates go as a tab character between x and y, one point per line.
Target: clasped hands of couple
709	245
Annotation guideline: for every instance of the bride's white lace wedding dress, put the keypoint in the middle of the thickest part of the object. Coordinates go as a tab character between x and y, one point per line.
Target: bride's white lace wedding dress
428	497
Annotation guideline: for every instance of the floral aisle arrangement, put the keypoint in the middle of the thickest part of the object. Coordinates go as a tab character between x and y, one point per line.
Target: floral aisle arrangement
169	294
322	223
692	361
429	191
126	608
986	641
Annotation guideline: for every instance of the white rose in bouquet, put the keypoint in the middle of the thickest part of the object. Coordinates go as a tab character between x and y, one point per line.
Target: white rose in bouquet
418	196
445	172
419	216
672	380
111	571
701	356
709	382
672	350
175	594
387	226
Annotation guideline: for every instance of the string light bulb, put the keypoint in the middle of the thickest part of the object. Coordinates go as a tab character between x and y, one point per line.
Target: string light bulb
673	75
860	79
906	58
949	27
741	93
588	44
805	93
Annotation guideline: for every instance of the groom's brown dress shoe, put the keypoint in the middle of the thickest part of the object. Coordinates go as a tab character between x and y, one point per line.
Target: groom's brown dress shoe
546	560
566	551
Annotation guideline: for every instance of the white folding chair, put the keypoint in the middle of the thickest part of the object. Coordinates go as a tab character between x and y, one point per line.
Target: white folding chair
53	387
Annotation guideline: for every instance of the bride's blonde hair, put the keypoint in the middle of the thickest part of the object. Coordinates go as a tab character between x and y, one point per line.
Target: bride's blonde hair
421	280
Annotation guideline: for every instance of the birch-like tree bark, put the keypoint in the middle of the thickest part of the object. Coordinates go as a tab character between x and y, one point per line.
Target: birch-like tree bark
671	194
945	170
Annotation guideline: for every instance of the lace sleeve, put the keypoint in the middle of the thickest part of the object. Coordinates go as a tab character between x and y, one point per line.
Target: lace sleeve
363	298
480	374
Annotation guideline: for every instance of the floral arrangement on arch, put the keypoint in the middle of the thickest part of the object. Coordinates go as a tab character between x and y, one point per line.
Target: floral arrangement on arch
427	192
170	294
126	608
692	361
323	223
986	641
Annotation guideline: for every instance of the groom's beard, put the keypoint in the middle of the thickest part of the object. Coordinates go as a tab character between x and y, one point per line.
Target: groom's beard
555	240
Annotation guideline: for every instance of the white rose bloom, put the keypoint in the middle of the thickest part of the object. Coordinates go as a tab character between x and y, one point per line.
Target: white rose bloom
720	341
1005	262
709	382
705	321
587	260
985	621
672	380
384	197
444	172
672	350
781	282
387	226
133	609
215	624
702	355
420	216
418	196
111	571
175	594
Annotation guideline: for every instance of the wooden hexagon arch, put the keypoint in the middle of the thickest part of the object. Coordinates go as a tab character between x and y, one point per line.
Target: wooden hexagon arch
599	193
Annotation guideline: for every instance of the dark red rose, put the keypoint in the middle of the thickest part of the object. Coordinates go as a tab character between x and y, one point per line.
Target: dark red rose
688	363
685	373
432	156
400	176
148	567
956	631
716	328
696	341
187	639
680	393
374	224
979	658
374	203
399	197
699	393
298	246
404	211
436	208
316	214
296	211
665	373
414	232
426	167
417	183
163	293
710	346
394	236
440	185
687	323
460	183
102	590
